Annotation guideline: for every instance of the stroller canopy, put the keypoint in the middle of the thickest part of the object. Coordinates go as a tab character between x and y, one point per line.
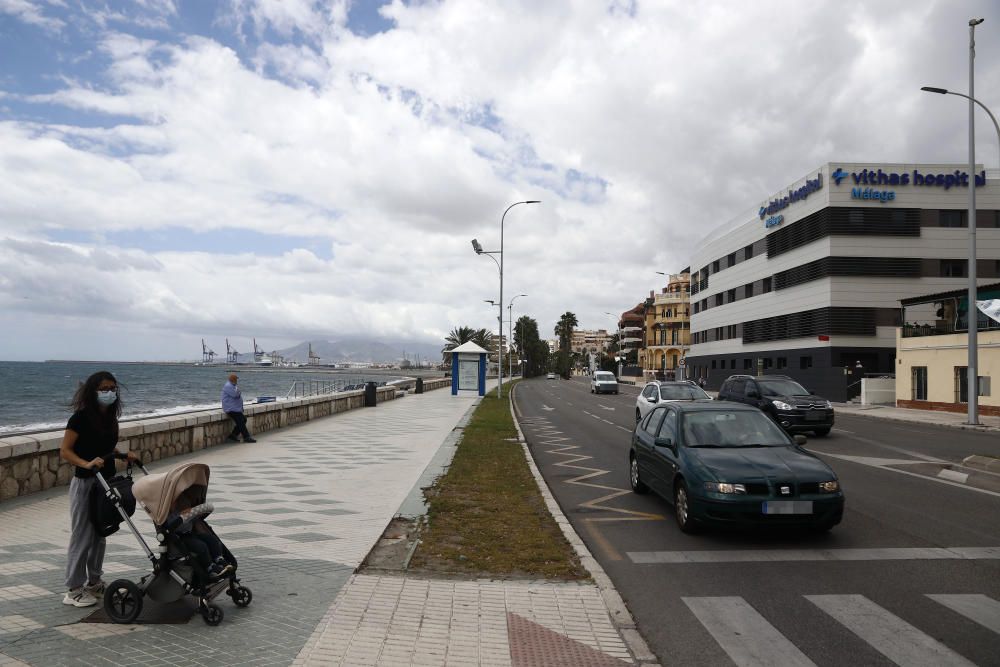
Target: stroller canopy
160	491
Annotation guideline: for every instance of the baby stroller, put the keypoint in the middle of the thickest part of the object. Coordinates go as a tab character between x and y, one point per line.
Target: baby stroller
176	571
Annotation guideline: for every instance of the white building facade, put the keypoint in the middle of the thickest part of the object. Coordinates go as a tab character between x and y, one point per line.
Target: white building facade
811	284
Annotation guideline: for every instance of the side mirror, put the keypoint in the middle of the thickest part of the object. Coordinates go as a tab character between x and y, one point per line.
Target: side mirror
654	399
664	442
800	439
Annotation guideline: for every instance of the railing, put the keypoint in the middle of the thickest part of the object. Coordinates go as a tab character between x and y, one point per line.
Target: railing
309	388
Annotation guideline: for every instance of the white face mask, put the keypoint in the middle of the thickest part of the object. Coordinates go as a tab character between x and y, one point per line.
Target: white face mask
106	398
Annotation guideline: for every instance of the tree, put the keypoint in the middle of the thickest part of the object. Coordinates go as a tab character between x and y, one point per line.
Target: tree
461	335
564	329
533	350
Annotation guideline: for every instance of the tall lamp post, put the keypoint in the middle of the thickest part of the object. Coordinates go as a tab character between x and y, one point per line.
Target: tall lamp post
618	355
500	320
479	251
510	329
972	314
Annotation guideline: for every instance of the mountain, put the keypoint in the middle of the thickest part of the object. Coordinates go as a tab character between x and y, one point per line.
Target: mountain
361	350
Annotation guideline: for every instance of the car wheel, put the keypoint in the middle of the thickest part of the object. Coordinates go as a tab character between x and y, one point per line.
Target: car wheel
682	508
638	486
822	432
638	416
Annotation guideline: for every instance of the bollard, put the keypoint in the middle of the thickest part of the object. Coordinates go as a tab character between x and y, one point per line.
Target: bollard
420	386
370	394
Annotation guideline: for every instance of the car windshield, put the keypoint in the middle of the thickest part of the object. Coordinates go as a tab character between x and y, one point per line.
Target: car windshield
739	428
682	392
604	377
782	388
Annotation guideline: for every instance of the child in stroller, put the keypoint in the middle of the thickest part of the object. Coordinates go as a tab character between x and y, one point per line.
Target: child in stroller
184	562
188	522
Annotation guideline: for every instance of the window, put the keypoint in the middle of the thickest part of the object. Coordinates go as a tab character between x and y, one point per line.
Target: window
713	364
696	307
731	296
748	252
767	286
748	290
648	392
731	260
652	423
767	362
953	268
718	299
747	364
737	387
919	383
805	362
668	428
715	266
732	364
952	219
782	362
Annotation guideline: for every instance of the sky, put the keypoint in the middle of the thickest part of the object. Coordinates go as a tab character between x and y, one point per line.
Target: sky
178	170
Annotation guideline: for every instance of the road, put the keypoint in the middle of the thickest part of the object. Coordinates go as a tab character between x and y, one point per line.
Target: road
910	577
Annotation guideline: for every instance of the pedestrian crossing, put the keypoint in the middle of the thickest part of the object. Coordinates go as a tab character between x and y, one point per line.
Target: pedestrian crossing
750	640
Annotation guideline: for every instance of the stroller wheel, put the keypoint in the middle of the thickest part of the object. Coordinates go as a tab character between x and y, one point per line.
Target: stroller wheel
241	595
123	601
212	614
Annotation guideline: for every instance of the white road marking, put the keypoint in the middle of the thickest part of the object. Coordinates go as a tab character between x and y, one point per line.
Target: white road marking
608	422
604	407
979	608
786	555
887	633
859	460
746	636
843	430
953	475
547	408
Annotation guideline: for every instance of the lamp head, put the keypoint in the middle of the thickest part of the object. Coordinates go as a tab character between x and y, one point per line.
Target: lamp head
932	89
478	248
538	201
975	22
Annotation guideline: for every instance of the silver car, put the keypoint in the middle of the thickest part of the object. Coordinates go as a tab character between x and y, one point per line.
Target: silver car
655	393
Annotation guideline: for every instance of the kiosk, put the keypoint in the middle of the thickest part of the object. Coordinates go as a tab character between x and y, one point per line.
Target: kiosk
468	369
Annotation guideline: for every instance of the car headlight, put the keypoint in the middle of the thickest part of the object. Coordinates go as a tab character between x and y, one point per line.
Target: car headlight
829	487
724	487
781	405
829	405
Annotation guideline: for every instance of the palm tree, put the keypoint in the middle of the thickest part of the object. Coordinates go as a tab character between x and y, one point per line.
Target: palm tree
483	338
460	335
564	329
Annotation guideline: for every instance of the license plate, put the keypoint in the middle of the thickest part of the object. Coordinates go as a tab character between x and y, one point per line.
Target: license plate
815	416
787	507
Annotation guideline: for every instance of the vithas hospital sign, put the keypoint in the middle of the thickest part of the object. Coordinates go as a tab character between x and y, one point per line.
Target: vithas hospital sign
862	182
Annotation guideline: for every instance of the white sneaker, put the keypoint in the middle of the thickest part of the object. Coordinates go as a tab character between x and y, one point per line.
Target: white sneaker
97	590
79	597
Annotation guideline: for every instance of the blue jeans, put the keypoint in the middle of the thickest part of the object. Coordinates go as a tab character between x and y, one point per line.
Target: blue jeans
240	428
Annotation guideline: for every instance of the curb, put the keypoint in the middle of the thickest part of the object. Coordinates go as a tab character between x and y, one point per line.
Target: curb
987	463
620	615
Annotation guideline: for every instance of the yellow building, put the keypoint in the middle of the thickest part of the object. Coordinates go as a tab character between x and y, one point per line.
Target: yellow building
667	334
932	353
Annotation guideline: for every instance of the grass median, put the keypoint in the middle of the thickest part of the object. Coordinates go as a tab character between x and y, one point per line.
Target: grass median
486	515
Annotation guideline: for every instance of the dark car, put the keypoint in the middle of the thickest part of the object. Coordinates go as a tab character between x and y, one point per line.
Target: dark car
783	399
727	463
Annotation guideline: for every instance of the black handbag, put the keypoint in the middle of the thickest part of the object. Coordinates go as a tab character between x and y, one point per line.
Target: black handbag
104	512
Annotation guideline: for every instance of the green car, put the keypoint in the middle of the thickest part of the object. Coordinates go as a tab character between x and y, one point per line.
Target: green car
730	464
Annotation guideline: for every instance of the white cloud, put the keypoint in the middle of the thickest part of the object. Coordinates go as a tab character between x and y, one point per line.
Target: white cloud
32	13
641	126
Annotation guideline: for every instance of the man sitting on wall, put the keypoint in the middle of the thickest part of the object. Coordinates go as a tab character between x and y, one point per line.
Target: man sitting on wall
232	405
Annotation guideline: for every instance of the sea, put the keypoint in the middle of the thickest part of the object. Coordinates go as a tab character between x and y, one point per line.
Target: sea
35	396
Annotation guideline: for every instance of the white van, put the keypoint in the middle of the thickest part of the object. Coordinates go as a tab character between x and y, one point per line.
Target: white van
603	382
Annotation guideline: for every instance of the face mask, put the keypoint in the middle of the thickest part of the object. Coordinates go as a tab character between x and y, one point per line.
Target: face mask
106	398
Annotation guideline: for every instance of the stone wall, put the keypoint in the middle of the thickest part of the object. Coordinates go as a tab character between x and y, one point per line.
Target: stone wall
31	463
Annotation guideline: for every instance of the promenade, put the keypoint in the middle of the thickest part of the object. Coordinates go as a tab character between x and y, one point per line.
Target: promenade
301	509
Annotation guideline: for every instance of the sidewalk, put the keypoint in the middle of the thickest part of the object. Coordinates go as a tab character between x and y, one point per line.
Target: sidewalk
934	417
300	510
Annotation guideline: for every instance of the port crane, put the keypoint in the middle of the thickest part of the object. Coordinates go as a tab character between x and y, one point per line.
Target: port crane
207	354
313	358
232	356
258	353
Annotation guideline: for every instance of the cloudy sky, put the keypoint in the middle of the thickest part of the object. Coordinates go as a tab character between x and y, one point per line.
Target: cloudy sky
172	170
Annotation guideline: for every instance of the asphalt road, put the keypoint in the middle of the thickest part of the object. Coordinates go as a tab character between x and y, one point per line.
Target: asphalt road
910	577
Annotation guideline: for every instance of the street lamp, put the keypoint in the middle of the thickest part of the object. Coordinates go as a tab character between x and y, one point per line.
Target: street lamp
479	251
972	314
500	320
618	356
510	330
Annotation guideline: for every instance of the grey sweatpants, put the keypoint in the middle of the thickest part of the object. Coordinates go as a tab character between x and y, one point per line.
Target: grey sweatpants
85	557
